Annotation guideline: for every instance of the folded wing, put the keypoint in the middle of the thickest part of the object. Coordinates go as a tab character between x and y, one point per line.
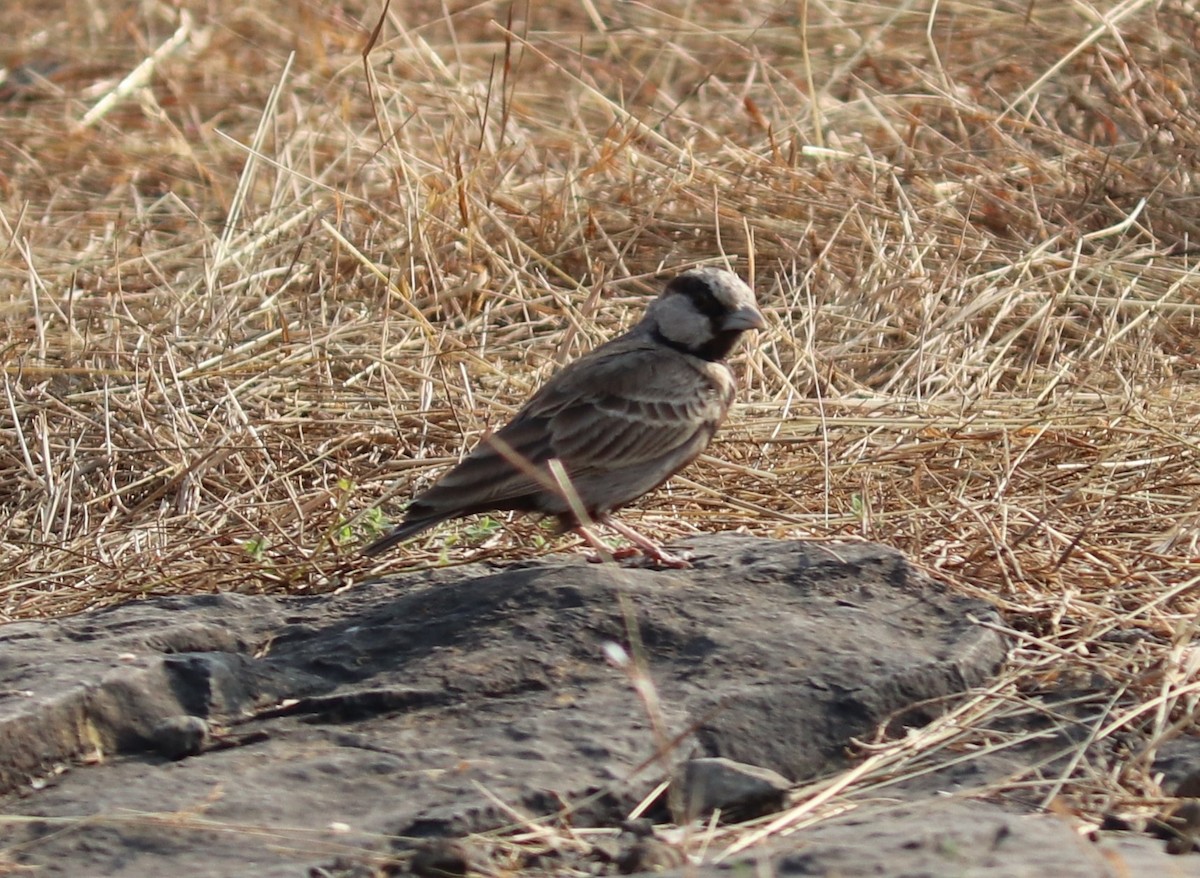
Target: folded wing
613	411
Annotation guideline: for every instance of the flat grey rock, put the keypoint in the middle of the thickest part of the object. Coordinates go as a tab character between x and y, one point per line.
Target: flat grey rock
446	702
711	783
936	839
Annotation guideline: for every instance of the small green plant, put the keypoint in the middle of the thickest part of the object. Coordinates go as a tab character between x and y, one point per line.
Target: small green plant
373	524
482	529
256	548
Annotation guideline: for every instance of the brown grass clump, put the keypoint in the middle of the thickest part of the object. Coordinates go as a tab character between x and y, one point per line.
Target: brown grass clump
257	288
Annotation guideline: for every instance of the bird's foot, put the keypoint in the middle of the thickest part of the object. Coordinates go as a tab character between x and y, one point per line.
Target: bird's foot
642	545
621	554
658	558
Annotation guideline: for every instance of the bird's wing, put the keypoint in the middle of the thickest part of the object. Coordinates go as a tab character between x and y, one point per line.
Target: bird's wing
638	406
626	404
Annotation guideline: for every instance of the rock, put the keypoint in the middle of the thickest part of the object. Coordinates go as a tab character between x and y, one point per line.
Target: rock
740	791
442	858
650	855
1184	824
179	736
1189	787
950	837
446	702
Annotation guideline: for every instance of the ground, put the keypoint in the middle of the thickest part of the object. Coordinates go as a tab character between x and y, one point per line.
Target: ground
266	268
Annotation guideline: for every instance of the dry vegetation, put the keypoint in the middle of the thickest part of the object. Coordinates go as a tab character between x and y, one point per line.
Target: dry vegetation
256	290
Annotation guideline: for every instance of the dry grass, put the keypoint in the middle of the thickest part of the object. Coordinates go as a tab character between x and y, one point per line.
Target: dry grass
255	291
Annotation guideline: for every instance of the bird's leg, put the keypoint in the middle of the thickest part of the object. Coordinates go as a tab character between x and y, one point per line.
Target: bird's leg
648	547
602	551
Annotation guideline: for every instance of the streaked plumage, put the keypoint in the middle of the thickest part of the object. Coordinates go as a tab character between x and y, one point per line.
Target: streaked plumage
622	419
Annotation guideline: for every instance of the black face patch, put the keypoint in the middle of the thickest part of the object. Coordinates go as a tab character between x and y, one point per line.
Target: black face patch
699	291
716	348
720	346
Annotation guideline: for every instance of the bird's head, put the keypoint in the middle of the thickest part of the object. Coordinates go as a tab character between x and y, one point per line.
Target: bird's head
704	312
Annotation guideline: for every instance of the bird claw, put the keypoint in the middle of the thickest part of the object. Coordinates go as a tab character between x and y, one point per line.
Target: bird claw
663	558
651	553
620	554
658	558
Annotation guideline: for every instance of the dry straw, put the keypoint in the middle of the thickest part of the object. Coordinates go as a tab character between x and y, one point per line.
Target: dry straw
258	287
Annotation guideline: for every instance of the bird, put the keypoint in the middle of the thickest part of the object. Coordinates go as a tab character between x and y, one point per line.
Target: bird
620	420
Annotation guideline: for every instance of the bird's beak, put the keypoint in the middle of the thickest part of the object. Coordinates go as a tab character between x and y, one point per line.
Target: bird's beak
744	318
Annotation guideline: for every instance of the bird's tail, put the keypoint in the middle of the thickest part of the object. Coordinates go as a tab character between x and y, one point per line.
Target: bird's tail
402	532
